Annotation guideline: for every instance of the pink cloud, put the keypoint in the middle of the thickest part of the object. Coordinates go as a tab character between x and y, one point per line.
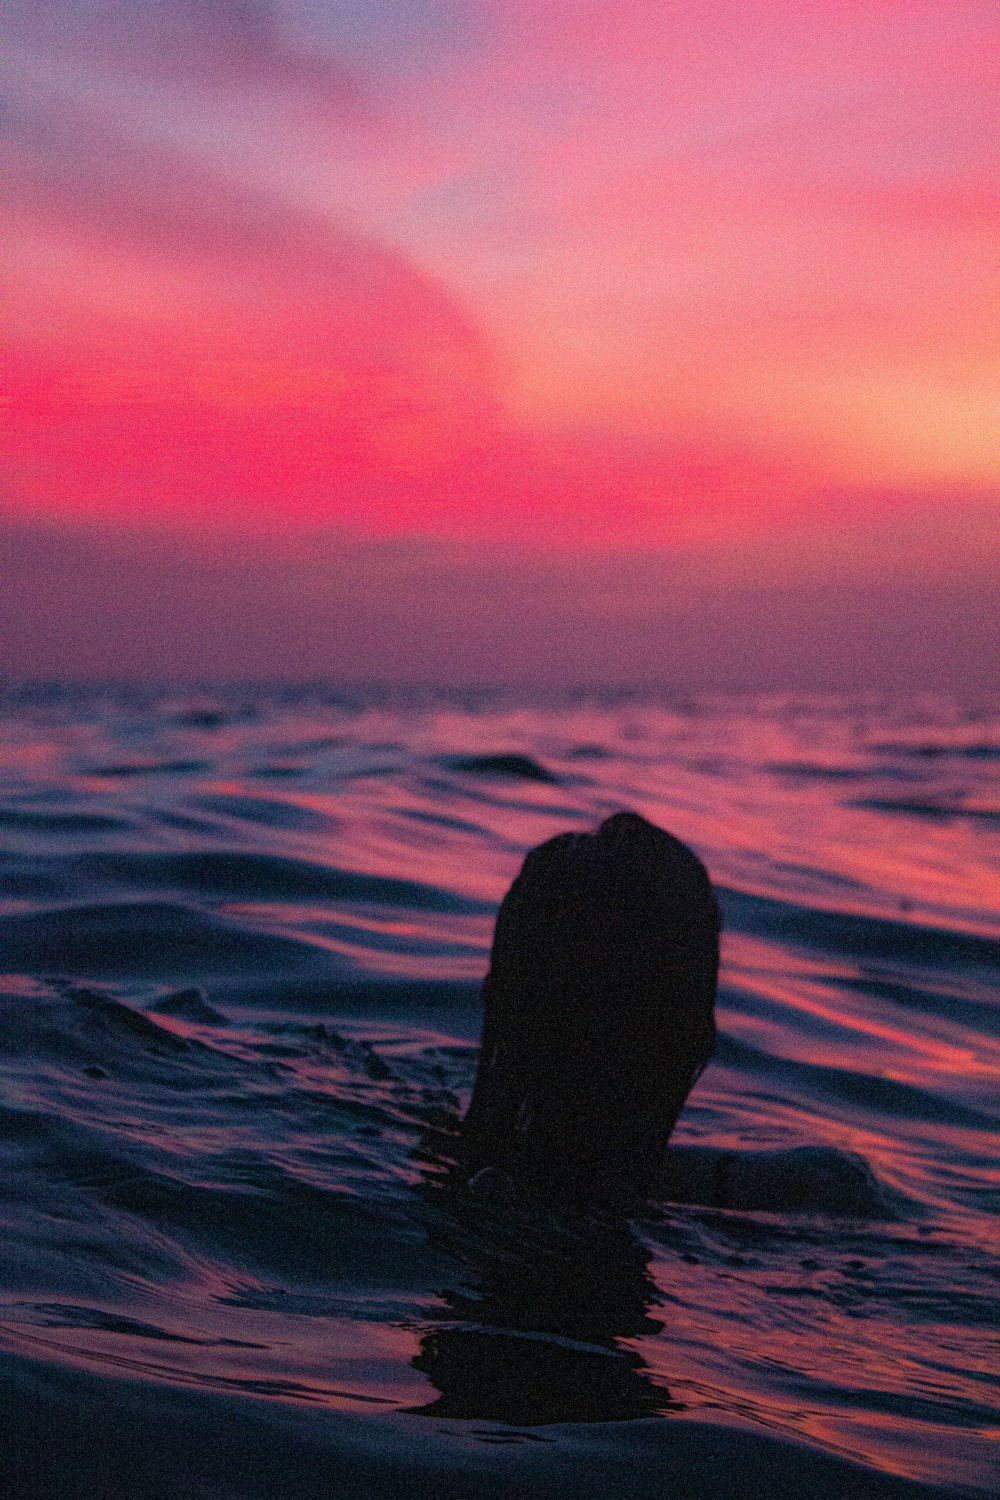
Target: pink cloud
598	280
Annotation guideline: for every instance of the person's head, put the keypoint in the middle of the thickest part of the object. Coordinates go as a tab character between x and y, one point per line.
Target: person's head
599	1012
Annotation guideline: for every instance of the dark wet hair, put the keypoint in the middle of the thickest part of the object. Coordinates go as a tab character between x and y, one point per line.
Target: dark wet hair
598	1013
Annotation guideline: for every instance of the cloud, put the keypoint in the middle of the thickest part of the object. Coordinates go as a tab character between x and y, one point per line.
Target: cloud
198	42
568	279
195	344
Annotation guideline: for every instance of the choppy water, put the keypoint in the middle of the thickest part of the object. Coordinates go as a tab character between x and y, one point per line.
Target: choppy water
242	936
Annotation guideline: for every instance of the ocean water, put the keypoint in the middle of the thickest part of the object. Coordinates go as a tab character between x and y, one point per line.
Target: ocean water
242	935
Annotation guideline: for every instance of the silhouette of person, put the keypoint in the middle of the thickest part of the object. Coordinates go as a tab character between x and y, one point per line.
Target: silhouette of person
599	1019
598	1015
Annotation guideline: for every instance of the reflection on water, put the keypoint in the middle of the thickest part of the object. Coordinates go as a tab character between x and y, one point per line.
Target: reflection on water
527	1380
537	1335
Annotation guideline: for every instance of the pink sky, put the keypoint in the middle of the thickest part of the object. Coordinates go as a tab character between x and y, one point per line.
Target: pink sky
617	324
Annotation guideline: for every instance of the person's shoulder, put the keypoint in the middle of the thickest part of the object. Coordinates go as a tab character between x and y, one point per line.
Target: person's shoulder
809	1179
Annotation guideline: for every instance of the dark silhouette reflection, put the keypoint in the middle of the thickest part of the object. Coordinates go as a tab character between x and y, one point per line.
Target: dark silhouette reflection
535	1338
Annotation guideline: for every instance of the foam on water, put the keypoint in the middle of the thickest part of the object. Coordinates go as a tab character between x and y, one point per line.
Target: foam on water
243	934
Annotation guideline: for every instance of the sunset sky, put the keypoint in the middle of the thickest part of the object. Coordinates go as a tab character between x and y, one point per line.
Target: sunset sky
538	340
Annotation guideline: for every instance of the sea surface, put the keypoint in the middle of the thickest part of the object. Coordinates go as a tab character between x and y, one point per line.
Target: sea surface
242	934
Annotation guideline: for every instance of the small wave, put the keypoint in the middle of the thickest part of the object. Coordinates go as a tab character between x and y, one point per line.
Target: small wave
931	751
88	1027
442	820
449	1004
121	1018
944	1001
817	876
269	877
190	1005
143	938
270	812
519	767
866	936
67	1315
864	1091
806	769
926	809
206	719
359	1054
148	768
30	885
37	821
321	743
